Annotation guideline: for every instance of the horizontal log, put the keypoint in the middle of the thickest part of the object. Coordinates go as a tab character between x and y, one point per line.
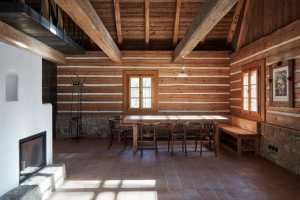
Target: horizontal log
90	97
104	89
193	97
236	94
193	80
192	89
100	107
284	119
90	80
166	106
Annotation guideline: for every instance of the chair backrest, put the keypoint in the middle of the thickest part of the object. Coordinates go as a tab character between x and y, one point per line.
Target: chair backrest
193	127
178	127
147	127
114	123
208	127
111	123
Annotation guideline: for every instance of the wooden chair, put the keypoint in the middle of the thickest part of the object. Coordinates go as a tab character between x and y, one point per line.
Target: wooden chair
178	133
147	134
208	136
117	128
193	132
163	132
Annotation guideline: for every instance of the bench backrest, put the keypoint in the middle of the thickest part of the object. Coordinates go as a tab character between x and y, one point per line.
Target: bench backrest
246	124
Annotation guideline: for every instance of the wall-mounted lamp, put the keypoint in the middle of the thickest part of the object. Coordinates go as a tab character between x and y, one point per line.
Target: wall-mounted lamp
182	73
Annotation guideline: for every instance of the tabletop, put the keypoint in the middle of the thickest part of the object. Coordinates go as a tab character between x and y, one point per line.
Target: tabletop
132	118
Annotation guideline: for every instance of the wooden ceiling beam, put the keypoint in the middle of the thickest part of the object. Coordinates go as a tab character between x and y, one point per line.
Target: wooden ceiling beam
244	26
176	22
118	21
19	39
84	15
208	16
147	22
235	21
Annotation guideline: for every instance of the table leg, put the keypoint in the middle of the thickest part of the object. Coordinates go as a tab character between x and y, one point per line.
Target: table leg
135	137
239	145
217	140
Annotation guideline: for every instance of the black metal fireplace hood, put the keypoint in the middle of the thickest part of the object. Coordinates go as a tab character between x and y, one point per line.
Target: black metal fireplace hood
32	155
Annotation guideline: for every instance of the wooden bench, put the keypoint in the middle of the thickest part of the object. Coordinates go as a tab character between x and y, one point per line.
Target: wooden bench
244	131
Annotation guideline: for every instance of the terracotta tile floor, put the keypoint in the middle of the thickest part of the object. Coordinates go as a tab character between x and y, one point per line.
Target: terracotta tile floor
96	173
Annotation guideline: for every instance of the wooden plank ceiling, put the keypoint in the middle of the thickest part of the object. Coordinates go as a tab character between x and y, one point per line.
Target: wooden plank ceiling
126	23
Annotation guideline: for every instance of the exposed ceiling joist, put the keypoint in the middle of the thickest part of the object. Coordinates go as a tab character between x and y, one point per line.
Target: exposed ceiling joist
209	15
14	37
84	15
244	25
147	22
118	21
235	20
176	22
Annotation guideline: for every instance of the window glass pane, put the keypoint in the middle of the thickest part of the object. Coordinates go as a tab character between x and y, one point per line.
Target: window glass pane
253	76
245	104
254	105
134	92
253	91
146	102
146	92
134	82
245	91
134	103
245	78
147	82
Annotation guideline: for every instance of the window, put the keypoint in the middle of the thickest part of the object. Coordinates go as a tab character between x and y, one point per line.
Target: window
250	90
140	91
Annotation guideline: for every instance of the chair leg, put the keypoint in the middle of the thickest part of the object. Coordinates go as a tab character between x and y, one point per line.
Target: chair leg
169	139
172	145
215	150
182	145
201	146
125	139
196	145
185	146
111	140
142	144
155	142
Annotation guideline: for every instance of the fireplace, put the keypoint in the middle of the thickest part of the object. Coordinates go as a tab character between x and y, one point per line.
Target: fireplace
32	155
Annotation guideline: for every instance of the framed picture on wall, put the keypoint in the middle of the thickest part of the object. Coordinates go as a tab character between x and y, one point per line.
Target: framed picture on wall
282	84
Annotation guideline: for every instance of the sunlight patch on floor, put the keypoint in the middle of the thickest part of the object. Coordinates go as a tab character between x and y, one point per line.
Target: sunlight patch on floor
138	183
81	184
106	196
73	196
112	184
137	195
106	190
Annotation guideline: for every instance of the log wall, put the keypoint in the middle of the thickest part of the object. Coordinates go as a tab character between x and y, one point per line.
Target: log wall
280	130
205	90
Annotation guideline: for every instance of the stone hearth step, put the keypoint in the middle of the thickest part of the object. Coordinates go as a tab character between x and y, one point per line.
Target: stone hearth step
39	186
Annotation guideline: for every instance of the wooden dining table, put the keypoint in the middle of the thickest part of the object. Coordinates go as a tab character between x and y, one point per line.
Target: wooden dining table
134	120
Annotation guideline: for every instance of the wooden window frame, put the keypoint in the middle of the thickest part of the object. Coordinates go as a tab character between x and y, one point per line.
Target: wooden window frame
259	66
126	94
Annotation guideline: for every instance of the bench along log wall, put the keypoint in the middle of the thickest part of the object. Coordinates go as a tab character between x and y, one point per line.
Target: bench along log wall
205	91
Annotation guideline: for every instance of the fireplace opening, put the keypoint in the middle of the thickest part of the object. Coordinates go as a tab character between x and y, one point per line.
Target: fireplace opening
32	155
